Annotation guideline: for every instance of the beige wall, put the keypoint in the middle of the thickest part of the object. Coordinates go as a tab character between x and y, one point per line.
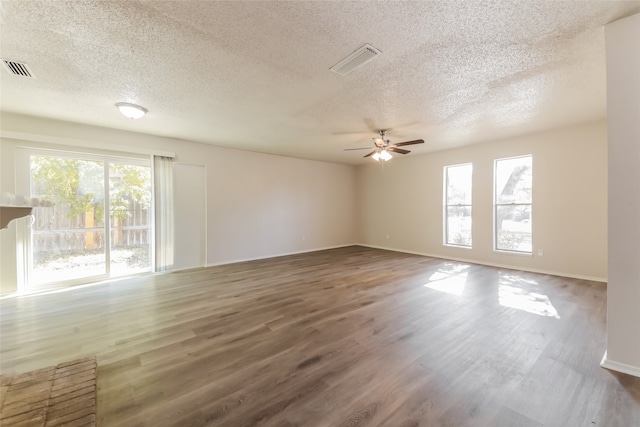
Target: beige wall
623	100
404	202
261	205
258	205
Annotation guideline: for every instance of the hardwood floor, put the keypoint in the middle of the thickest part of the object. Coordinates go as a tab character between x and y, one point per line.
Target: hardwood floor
345	337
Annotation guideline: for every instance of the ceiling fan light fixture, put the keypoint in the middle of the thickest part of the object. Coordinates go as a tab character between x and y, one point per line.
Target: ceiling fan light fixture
131	111
382	155
383	147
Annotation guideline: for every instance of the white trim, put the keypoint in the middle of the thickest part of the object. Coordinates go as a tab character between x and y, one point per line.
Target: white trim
280	255
605	363
491	264
496	204
82	153
445	204
619	367
206	214
106	182
22	136
23	228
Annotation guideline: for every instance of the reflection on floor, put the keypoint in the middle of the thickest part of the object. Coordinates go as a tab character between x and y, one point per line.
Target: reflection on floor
349	336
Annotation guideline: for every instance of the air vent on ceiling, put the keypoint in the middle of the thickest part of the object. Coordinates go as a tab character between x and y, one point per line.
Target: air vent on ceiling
17	68
356	60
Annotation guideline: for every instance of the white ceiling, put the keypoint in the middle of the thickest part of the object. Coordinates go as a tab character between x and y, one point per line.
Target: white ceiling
255	75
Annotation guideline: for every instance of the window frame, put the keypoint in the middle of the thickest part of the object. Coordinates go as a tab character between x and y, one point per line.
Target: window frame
446	205
496	205
24	153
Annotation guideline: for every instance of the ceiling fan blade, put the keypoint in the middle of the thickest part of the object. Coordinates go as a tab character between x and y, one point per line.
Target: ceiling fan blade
398	150
363	148
371	153
417	141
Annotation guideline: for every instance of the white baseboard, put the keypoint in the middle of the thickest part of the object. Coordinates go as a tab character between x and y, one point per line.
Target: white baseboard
491	264
554	273
620	367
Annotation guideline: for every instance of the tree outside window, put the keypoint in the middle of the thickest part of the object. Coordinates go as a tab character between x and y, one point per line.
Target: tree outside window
513	194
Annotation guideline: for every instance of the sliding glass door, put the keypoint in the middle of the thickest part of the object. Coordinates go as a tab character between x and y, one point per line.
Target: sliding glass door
129	218
93	220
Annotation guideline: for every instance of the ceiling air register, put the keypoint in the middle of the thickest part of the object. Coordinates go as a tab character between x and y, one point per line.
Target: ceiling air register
356	60
17	68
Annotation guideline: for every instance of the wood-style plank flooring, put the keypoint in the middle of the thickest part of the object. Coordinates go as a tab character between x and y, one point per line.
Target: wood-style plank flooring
344	337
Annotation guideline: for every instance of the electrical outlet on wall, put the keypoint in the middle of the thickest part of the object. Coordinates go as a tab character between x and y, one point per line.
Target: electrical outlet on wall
388	236
540	252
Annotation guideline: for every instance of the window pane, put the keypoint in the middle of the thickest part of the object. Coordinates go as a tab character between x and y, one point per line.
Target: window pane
458	225
513	180
457	221
459	184
513	228
130	215
67	237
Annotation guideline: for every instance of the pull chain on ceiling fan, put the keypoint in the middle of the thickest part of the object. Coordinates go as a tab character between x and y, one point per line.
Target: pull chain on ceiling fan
384	148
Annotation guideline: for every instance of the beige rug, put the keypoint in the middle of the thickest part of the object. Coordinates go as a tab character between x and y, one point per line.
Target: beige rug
59	395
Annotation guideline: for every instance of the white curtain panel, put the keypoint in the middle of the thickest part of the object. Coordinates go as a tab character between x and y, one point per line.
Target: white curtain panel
163	193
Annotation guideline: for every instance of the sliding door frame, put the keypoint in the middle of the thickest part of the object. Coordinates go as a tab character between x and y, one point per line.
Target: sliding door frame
24	231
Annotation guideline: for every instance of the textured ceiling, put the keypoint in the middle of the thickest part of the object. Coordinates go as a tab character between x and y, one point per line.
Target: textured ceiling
255	75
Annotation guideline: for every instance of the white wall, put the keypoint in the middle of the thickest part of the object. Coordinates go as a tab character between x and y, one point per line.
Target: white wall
190	211
258	205
623	105
404	201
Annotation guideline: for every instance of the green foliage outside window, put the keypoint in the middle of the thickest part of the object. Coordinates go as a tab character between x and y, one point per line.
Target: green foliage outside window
79	184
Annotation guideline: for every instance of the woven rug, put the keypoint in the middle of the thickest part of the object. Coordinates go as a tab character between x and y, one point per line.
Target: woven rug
64	394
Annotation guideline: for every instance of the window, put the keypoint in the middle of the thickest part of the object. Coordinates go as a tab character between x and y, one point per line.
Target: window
512	204
96	222
457	205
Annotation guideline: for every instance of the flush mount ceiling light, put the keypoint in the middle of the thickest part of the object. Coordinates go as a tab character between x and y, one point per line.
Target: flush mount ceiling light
131	111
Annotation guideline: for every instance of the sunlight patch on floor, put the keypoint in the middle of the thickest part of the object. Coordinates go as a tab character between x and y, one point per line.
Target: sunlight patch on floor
450	279
512	293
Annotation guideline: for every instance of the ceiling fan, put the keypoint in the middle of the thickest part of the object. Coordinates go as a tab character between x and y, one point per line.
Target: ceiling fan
384	148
